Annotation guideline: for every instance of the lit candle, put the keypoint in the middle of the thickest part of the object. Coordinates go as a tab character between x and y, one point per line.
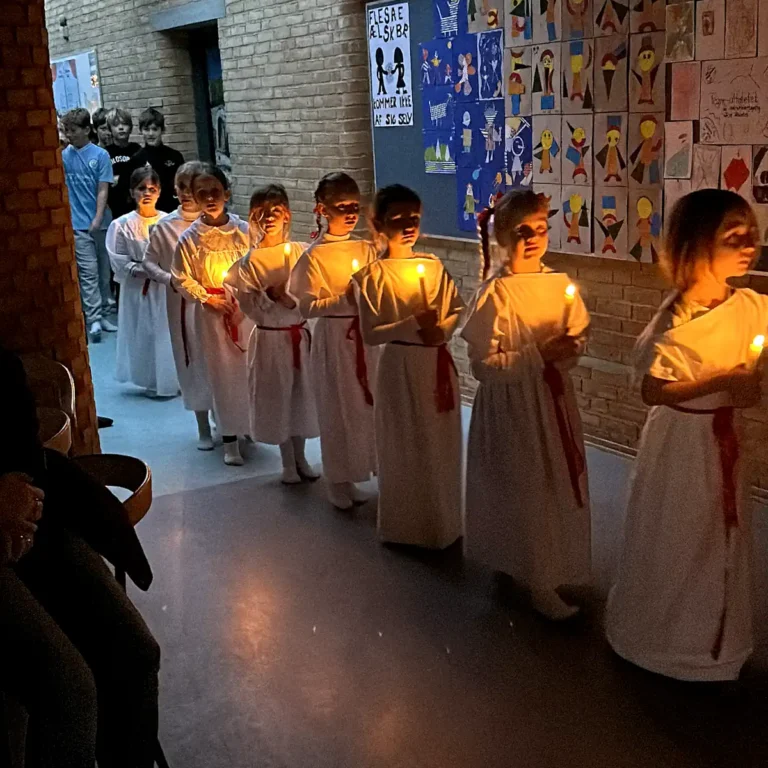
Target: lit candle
355	266
756	349
224	273
422	285
287	249
570	297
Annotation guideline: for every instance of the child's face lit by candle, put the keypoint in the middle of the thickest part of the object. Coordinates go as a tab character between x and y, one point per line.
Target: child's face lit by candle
734	249
401	224
532	236
146	194
211	196
185	194
272	220
342	215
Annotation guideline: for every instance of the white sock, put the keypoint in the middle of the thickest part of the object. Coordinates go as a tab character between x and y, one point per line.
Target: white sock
337	495
232	455
290	473
550	605
302	465
204	438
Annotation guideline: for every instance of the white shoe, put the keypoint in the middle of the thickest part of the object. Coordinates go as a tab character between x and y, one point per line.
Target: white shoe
204	443
108	326
355	494
550	605
291	476
94	332
304	468
338	497
232	455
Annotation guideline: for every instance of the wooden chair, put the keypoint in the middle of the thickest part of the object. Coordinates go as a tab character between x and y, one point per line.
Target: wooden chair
55	429
51	383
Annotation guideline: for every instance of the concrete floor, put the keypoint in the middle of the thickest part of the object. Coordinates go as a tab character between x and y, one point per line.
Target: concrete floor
292	639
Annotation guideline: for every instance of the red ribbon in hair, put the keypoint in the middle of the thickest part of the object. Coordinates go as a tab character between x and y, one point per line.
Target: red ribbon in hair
232	330
444	396
361	368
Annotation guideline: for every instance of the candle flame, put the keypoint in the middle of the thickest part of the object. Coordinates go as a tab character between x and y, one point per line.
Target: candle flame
287	249
570	291
355	265
224	273
758	342
420	269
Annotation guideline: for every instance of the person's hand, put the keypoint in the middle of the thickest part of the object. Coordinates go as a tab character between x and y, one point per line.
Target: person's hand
432	336
137	270
219	304
427	319
21	506
559	348
743	385
94	226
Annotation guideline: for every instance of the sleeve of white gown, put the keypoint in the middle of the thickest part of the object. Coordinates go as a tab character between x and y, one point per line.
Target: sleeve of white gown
454	305
578	328
119	251
249	291
304	287
374	332
184	272
152	258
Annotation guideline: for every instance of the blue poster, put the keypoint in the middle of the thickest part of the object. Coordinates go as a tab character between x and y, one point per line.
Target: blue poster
492	187
464	58
468	137
468	198
490	47
436	63
518	152
438	106
450	17
438	151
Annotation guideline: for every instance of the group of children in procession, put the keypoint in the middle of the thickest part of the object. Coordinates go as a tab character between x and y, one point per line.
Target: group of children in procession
347	340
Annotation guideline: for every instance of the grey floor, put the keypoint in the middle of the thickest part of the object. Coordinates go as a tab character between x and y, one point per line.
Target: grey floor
292	639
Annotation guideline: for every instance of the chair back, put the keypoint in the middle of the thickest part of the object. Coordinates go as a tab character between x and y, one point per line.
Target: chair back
55	431
51	383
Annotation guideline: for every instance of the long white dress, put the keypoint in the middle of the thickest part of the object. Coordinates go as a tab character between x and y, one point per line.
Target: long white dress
144	353
343	368
282	404
203	257
187	352
418	402
680	606
527	498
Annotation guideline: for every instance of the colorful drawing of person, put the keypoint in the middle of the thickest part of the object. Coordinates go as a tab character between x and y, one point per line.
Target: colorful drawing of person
646	10
548	12
579	217
577	151
466	133
380	72
516	89
610	224
520	11
609	64
577	68
610	156
425	68
577	10
646	71
448	80
400	86
677	166
648	228
646	155
465	71
514	147
470	203
491	133
610	18
546	151
544	80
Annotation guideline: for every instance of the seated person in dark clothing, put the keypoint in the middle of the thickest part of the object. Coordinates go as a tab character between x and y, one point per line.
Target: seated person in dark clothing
78	656
121	151
164	159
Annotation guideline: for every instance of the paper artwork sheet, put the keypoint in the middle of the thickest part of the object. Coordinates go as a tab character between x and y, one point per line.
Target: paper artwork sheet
578	143
491	64
674	189
546	78
519	79
438	151
518	21
577	87
547	20
492	133
449	17
492	187
645	224
710	29
736	170
438	105
436	63
611	149
647	16
611	17
547	149
468	198
741	29
760	174
686	90
577	19
762	30
553	192
680	41
705	173
483	15
646	149
610	73
678	150
610	222
576	220
469	143
646	76
518	152
464	54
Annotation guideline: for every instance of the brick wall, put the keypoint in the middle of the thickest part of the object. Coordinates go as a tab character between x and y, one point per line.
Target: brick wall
39	298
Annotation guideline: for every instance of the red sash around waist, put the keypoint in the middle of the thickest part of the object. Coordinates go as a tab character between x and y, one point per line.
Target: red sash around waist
295	331
361	367
232	330
445	399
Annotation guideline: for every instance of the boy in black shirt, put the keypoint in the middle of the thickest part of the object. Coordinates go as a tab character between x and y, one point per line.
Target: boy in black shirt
120	152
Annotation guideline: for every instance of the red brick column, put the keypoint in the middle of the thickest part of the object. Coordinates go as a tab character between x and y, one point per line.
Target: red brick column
39	295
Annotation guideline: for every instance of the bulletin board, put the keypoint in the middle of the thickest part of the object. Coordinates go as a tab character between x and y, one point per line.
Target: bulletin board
612	108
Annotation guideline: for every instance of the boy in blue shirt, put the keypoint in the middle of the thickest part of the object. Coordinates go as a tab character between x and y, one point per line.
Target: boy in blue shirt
88	172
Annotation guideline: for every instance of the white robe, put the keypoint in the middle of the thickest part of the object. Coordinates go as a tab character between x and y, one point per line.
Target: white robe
202	259
418	446
281	401
190	366
318	282
666	610
144	353
523	514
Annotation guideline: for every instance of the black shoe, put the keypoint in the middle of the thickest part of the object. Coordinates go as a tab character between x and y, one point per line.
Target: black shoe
104	422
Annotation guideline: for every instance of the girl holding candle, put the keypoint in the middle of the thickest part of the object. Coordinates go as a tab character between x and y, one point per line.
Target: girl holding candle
144	354
409	305
282	408
187	352
204	254
340	362
527	499
681	603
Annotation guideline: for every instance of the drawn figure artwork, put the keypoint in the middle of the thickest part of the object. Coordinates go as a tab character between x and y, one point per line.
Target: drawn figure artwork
611	131
706	166
610	222
577	77
760	175
492	132
553	195
741	28
678	150
436	66
546	93
577	19
438	108
576	220
465	58
610	74
491	187
710	29
647	15
490	60
438	151
644	224
547	20
468	198
518	22
469	146
577	163
518	152
483	15
680	39
519	76
647	140
612	17
450	17
646	82
736	170
546	149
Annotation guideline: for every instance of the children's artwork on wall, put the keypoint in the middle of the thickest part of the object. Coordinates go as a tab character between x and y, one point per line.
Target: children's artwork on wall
610	222
678	150
469	144
760	174
438	151
646	77
610	74
547	20
611	17
436	63
468	198
546	75
492	186
736	170
450	17
547	149
464	66
577	77
680	38
644	235
705	173
492	131
577	148
576	220
674	189
490	64
552	193
647	16
483	15
577	19
438	107
611	149
741	29
518	21
518	152
762	31
646	145
686	88
710	29
519	75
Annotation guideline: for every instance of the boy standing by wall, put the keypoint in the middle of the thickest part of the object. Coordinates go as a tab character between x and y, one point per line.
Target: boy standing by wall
121	151
88	173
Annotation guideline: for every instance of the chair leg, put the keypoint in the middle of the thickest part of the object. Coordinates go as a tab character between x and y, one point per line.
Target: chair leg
160	760
120	577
